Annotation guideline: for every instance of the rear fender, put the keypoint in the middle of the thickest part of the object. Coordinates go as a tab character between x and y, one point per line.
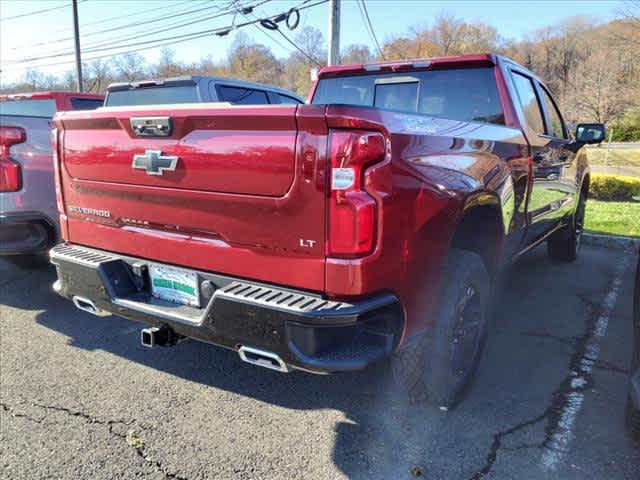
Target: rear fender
482	226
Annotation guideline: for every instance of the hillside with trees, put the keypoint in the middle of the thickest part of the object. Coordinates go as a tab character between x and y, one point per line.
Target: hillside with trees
593	69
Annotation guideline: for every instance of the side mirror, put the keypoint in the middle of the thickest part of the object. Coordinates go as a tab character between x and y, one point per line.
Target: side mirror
587	133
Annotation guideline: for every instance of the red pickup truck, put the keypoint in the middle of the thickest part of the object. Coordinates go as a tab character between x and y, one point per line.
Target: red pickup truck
369	223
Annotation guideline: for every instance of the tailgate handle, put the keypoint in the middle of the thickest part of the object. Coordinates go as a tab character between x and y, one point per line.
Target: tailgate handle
152	126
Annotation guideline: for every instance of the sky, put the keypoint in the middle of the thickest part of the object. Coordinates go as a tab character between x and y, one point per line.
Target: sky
25	34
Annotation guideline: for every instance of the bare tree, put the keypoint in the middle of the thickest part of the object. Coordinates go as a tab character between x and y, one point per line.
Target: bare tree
397	48
36	80
297	68
168	66
356	54
253	61
130	67
206	66
600	92
629	12
97	75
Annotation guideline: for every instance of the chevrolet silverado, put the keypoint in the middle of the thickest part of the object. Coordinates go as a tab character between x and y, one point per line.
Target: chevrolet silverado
368	224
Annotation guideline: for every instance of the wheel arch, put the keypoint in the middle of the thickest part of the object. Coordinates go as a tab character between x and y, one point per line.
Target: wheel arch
481	229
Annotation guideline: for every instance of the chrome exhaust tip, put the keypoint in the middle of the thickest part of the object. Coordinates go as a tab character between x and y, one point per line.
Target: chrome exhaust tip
87	305
262	358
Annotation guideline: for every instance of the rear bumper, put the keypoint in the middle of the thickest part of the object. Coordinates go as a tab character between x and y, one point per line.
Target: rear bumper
305	330
25	233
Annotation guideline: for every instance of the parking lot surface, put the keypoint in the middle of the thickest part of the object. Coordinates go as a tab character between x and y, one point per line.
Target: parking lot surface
81	399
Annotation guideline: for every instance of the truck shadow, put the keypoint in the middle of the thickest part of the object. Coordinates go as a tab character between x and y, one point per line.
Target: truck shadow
383	435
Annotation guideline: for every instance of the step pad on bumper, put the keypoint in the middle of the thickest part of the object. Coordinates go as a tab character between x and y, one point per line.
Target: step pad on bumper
280	298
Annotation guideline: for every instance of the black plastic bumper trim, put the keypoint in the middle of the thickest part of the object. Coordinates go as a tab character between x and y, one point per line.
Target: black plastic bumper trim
306	330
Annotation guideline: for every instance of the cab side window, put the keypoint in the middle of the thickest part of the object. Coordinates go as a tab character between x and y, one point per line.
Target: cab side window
285	99
242	96
556	124
529	102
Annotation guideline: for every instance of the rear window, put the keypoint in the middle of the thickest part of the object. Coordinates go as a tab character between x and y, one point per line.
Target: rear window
468	94
241	96
29	108
85	103
153	96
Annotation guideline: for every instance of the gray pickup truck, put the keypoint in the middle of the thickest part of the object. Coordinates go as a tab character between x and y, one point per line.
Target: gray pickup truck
197	89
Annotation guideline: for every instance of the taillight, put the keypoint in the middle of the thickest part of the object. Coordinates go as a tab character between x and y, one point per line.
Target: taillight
55	146
10	171
352	210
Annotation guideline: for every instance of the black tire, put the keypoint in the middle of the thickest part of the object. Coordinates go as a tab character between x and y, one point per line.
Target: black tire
564	244
440	363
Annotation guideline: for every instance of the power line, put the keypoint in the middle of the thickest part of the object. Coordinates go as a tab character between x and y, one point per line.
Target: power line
170	16
152	20
129	15
298	48
112	43
365	12
162	28
271	37
168	41
37	12
291	42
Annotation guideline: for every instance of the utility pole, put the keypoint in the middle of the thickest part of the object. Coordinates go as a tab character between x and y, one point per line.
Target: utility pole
334	32
76	37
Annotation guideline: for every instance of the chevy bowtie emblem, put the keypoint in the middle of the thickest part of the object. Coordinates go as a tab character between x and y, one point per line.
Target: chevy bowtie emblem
154	162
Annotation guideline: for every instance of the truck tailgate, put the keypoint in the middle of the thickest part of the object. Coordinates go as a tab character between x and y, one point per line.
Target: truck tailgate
235	190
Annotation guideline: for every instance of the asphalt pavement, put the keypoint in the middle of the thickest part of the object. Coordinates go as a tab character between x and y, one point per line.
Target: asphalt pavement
81	399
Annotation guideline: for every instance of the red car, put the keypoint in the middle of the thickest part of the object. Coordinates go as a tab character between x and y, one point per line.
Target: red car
369	224
28	213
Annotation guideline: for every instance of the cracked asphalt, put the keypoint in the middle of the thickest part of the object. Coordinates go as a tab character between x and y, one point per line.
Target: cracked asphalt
81	399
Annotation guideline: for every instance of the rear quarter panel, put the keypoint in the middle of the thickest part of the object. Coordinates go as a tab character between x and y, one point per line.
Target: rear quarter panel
438	169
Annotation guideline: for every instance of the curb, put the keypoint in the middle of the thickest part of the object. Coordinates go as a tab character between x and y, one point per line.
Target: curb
610	241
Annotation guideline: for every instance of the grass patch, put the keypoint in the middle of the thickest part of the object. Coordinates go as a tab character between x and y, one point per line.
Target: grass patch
618	157
613	218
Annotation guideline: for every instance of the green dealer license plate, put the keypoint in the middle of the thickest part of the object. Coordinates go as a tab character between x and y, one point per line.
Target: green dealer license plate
174	285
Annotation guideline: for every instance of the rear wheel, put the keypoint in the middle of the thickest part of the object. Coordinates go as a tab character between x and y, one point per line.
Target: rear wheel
440	363
564	244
